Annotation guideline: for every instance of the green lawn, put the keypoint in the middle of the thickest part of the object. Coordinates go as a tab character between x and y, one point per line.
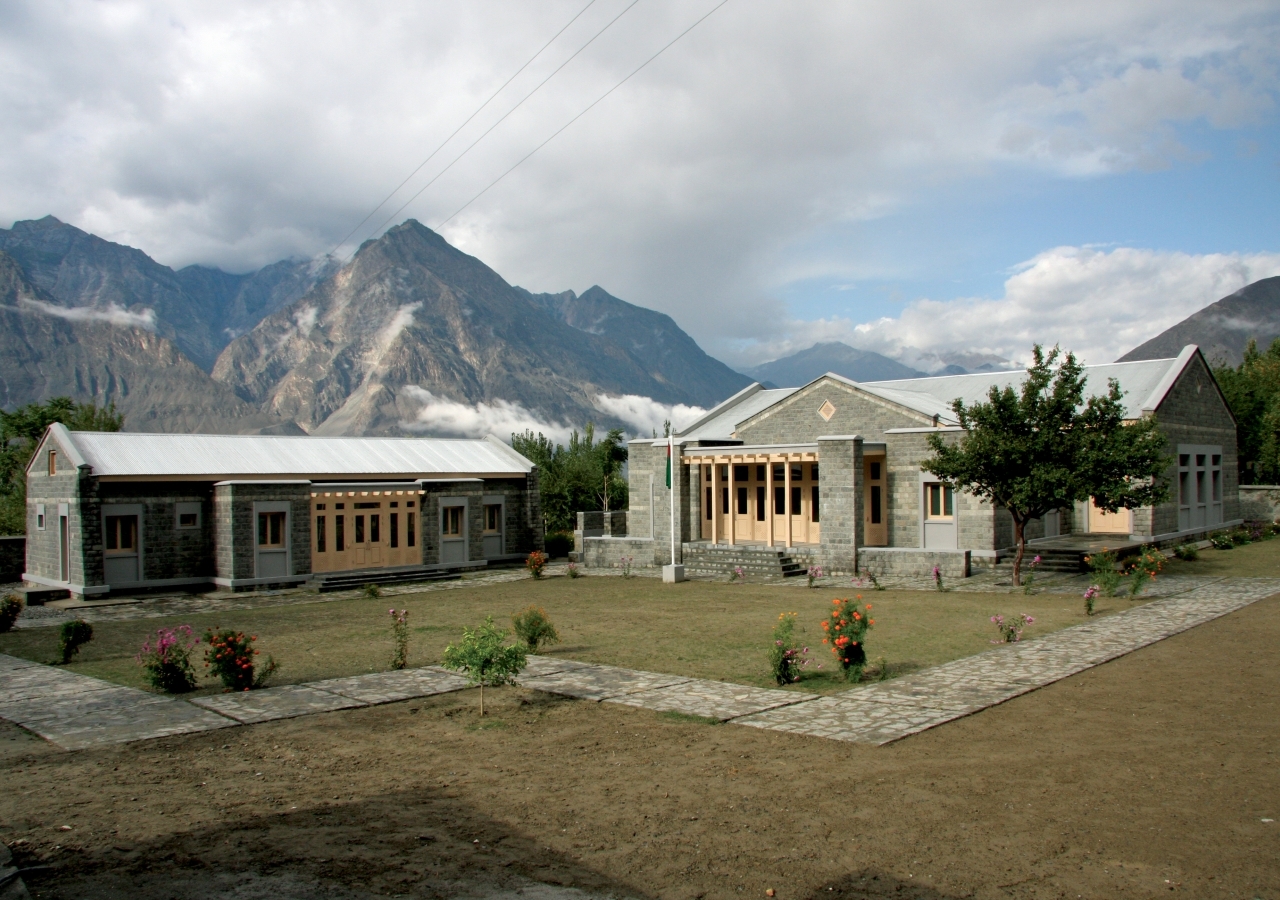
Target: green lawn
708	630
1260	560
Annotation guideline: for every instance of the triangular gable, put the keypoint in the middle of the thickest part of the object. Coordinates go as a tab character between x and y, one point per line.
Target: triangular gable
58	434
923	417
1189	356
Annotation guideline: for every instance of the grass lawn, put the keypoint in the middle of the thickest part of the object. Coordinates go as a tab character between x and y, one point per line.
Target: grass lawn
706	630
1260	560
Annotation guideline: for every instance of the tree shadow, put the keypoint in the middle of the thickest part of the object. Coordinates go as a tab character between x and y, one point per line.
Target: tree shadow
870	884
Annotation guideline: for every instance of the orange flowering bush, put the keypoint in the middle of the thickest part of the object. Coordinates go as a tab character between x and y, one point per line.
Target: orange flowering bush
846	632
230	657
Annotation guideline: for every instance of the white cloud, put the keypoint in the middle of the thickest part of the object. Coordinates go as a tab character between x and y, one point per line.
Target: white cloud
1098	303
112	313
401	319
503	418
646	415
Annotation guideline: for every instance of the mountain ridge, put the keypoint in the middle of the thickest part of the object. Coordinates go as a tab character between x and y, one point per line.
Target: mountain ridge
1222	329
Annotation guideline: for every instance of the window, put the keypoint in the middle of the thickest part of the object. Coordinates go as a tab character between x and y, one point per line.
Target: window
375	529
708	503
875	505
359	539
724	472
813	503
759	473
940	501
39	517
797	473
187	514
797	497
493	517
779	501
742	501
368	506
53	462
779	472
875	471
395	529
409	531
339	506
393	504
271	529
760	503
188	520
122	534
813	472
741	473
339	532
320	534
452	521
320	507
409	504
724	500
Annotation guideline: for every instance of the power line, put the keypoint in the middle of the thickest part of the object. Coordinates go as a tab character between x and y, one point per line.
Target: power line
579	116
437	176
479	109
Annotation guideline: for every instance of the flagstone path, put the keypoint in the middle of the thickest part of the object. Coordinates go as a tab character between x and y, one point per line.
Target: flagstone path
75	711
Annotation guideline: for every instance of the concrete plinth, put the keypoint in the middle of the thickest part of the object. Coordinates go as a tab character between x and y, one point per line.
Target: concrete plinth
673	573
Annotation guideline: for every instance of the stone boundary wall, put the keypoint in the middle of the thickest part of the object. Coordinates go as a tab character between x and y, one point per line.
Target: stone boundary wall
606	552
13	555
1260	502
913	561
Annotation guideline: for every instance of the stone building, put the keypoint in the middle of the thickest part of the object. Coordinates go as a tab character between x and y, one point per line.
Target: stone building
126	512
830	474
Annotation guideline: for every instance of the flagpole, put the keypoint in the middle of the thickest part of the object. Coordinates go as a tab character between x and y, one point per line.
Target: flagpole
675	571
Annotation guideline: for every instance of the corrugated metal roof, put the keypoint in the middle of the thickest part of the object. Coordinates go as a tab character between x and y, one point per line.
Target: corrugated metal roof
933	396
722	426
224	456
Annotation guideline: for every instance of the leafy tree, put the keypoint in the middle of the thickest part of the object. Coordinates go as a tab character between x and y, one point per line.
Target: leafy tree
1045	446
21	430
484	657
1253	394
582	477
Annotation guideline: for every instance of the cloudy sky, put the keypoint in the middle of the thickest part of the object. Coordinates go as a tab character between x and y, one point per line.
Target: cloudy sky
913	178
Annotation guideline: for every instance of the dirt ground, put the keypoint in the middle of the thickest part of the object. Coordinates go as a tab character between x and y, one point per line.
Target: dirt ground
1153	775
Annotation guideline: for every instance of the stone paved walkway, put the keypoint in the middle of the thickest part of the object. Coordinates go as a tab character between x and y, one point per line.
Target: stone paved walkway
75	711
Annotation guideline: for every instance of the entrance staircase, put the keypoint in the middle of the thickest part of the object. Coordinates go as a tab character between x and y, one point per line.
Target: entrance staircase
756	561
1052	559
328	582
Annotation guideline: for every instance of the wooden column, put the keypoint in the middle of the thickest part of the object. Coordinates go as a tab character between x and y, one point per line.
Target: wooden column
768	495
786	496
715	502
732	507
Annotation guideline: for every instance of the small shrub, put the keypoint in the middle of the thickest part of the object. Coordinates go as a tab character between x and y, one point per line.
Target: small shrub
937	579
400	636
10	609
1186	552
1144	570
738	574
536	562
372	591
846	630
785	658
484	658
882	669
534	628
1221	542
624	563
1031	575
1105	574
814	573
875	582
1090	597
230	658
1240	536
558	544
574	571
72	637
166	662
1011	629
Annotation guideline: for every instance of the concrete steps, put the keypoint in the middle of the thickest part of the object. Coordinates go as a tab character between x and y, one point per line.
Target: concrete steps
1051	560
758	562
327	583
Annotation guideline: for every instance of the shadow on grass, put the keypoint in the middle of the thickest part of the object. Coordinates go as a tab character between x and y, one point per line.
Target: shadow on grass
870	884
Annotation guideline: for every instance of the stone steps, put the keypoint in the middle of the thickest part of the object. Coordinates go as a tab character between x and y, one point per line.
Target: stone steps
1068	561
327	583
761	562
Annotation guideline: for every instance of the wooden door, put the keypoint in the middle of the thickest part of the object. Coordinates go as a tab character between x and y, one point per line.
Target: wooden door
875	512
1103	522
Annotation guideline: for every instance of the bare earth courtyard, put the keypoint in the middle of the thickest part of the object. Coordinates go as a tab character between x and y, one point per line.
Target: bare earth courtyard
1153	773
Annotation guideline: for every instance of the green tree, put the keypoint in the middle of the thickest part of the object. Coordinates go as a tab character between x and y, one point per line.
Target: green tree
1253	393
582	477
484	657
1045	446
21	430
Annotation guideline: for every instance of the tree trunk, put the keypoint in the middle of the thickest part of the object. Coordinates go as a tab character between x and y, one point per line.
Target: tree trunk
1020	538
482	699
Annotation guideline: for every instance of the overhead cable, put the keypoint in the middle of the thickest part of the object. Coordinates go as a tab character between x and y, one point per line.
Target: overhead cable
579	116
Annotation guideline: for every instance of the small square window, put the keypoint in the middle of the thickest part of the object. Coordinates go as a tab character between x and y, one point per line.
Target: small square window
188	520
53	462
187	514
39	517
759	473
1184	459
1217	460
797	473
410	506
320	506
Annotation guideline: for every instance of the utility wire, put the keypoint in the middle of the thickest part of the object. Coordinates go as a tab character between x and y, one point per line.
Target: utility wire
479	109
436	177
579	116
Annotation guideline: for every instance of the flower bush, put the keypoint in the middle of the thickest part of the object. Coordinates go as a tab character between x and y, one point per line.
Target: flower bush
937	579
624	563
738	575
230	657
1144	569
1031	575
785	658
534	628
1011	629
1222	542
166	660
574	571
372	591
10	609
536	562
814	573
1090	597
400	635
1186	552
1105	574
846	630
72	636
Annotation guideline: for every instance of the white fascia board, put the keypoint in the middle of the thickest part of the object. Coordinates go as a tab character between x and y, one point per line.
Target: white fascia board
509	451
750	390
1170	378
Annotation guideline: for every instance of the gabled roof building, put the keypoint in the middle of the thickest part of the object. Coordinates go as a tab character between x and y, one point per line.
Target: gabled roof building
831	473
111	512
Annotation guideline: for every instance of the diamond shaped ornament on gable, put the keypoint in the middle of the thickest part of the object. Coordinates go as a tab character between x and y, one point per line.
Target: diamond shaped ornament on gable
826	410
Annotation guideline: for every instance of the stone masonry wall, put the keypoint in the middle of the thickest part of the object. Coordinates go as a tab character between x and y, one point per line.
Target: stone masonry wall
840	504
607	552
168	551
76	489
1260	502
235	526
796	420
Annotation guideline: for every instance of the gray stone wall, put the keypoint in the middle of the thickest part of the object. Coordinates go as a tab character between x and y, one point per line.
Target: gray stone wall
796	420
840	511
918	563
523	521
76	489
168	551
607	552
1260	502
235	526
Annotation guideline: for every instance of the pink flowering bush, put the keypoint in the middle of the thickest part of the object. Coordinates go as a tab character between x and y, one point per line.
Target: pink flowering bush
785	657
1090	597
814	573
400	636
1011	629
166	660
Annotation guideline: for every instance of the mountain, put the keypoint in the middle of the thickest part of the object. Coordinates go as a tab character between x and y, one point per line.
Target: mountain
803	367
412	321
1223	329
88	356
651	338
199	309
